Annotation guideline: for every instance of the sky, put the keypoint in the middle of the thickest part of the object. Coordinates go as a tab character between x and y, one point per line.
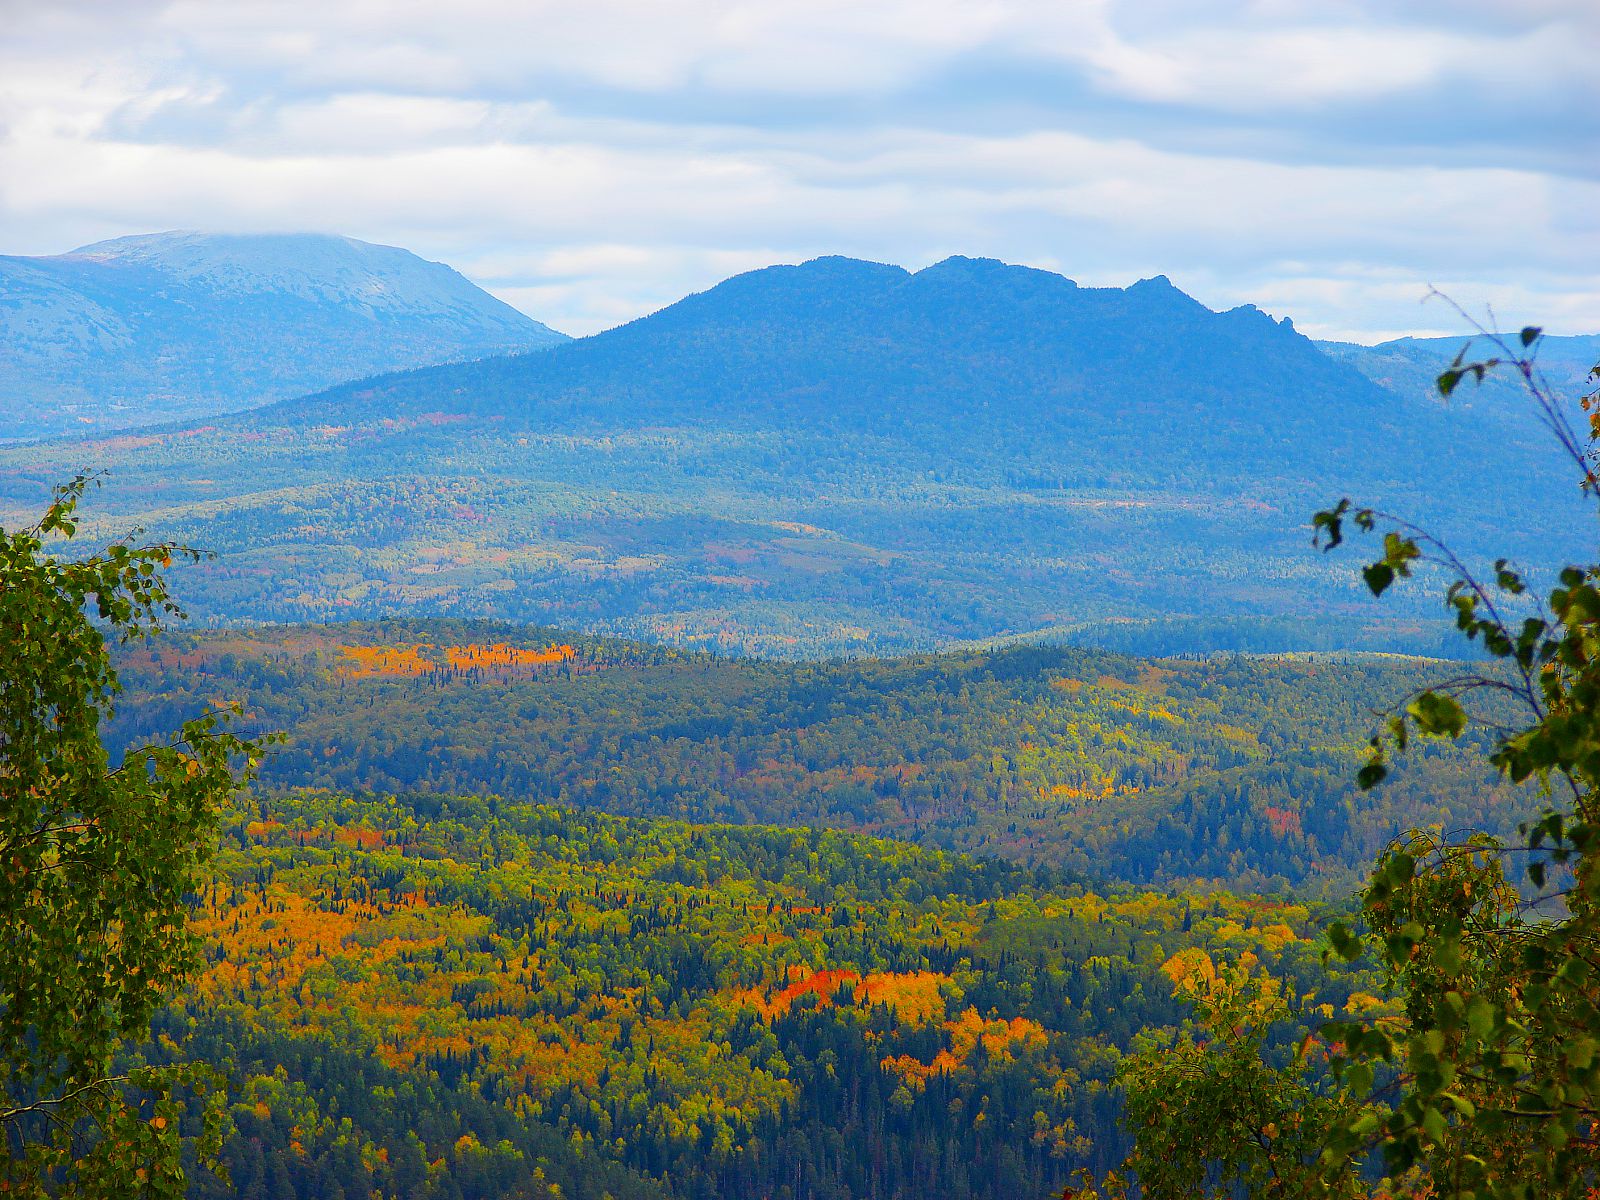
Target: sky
593	160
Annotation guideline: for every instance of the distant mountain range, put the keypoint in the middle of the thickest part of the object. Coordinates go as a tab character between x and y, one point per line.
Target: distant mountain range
1410	366
846	456
176	325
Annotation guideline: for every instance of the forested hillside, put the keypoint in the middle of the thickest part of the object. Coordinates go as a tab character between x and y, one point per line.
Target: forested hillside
839	456
466	998
1230	772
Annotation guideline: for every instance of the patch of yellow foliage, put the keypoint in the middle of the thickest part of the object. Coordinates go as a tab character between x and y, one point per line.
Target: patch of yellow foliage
1190	969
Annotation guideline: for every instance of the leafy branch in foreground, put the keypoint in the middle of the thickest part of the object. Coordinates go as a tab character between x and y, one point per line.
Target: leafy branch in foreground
1499	1088
1263	1126
98	867
1488	1082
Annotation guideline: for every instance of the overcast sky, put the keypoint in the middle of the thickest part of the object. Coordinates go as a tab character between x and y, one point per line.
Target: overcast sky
592	160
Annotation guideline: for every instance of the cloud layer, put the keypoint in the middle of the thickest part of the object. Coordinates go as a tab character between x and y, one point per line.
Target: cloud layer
589	162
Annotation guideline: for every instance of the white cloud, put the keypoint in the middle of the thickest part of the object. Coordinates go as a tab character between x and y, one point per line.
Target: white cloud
593	161
602	285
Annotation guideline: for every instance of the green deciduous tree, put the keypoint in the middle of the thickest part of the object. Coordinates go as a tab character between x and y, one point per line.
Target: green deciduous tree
1488	1084
98	867
1499	1091
1264	1123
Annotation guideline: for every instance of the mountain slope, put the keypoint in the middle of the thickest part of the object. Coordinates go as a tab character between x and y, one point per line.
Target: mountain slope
176	325
856	343
1411	366
992	373
844	456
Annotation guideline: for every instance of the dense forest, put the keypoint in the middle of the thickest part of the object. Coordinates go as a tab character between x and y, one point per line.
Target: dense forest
1227	771
429	996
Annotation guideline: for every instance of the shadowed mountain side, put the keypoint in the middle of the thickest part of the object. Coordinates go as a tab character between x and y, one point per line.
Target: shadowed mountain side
859	345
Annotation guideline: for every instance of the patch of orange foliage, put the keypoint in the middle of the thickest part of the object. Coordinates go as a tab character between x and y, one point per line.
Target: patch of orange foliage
1284	821
913	995
366	839
369	661
1190	968
822	984
1001	1039
502	655
284	935
366	662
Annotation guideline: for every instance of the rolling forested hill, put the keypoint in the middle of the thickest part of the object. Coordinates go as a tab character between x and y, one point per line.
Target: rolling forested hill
841	456
1227	772
524	914
174	326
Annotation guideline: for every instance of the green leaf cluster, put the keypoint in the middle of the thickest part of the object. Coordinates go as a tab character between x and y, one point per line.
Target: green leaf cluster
1487	1085
98	866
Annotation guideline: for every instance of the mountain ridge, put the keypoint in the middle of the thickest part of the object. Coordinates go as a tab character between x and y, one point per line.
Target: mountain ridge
1410	366
853	306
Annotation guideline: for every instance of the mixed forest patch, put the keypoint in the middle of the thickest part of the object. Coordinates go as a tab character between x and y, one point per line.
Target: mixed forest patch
455	996
1228	771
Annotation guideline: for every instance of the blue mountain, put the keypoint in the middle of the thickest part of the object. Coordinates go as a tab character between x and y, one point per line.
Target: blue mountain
1410	366
173	325
989	372
847	456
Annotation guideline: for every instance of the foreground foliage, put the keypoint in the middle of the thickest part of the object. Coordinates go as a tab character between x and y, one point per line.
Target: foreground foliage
96	868
1488	1083
1500	1090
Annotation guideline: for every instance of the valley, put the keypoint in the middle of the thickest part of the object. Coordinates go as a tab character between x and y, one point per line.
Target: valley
520	998
808	743
763	600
